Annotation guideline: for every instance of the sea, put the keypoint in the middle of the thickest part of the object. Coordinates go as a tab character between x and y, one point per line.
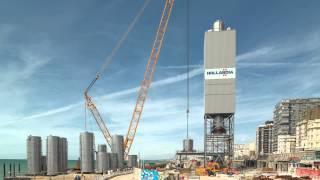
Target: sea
23	166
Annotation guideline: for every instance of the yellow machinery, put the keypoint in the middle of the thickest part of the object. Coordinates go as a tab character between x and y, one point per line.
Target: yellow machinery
211	169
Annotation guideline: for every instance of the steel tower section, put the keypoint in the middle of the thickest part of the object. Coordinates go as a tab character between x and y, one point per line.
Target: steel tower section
219	91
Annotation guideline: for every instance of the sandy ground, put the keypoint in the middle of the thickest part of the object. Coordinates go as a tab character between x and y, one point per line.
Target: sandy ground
83	177
136	175
127	177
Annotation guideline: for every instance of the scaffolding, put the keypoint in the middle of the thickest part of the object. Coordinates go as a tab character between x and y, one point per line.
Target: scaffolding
218	146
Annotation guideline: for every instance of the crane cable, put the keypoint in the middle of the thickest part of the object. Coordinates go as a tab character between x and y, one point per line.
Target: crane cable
188	68
109	59
123	38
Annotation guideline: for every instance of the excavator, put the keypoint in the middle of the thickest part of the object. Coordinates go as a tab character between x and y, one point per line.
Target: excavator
145	84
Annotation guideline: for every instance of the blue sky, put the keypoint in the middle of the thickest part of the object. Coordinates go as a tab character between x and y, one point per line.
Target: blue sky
51	50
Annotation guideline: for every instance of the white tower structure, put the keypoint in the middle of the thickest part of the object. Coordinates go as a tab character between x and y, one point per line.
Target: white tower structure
219	93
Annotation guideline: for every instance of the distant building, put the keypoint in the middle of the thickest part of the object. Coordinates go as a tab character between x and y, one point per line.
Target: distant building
264	139
308	131
287	114
244	151
286	144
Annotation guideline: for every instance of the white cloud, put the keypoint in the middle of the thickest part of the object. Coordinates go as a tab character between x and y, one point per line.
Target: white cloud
66	108
253	55
14	92
52	112
282	53
182	66
61	121
163	118
277	64
16	75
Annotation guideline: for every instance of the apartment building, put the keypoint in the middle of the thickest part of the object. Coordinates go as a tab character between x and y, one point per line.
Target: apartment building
286	115
286	144
244	151
264	139
308	131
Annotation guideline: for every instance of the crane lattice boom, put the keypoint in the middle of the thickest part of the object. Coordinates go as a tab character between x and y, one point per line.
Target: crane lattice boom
93	109
151	66
88	101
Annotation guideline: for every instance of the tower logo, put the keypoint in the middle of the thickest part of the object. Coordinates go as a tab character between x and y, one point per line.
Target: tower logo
220	73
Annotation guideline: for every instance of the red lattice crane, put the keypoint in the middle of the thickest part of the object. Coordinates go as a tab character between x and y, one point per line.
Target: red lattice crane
146	82
95	113
88	100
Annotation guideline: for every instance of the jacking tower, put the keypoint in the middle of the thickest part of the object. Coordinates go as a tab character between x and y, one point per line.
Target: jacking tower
219	92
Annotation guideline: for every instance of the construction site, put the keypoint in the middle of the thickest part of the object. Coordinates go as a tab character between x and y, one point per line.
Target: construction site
286	146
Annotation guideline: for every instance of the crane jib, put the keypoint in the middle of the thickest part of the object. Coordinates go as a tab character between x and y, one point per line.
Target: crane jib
88	103
151	65
145	85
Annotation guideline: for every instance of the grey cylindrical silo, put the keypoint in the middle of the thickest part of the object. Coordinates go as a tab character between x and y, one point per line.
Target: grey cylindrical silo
63	155
113	161
102	162
87	152
44	163
102	148
34	154
52	155
187	145
109	161
132	161
102	159
118	147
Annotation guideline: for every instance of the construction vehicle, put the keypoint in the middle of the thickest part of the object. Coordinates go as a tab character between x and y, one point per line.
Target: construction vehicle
210	170
144	87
